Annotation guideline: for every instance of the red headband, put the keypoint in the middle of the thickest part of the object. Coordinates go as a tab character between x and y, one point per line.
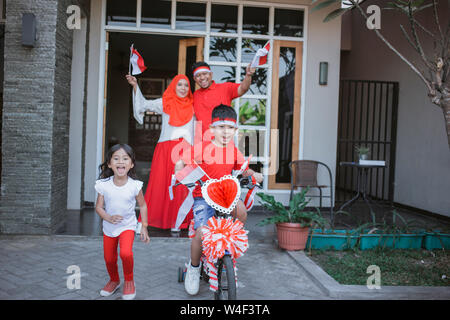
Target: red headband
201	69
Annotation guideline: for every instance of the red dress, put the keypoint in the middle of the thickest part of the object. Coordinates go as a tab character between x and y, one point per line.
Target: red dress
162	212
177	124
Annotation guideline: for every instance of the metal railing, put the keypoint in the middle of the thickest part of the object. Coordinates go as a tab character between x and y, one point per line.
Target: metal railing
368	117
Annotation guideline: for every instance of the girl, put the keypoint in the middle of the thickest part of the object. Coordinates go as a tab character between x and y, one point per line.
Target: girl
176	107
117	194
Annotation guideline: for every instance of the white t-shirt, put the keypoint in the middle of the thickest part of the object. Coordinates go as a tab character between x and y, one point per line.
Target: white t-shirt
119	200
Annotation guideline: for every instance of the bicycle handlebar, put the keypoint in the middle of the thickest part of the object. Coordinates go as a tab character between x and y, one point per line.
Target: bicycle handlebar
245	182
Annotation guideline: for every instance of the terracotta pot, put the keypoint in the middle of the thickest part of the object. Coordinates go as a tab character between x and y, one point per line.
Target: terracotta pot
291	236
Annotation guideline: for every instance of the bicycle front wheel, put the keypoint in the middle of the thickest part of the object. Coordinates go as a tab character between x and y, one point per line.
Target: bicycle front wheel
226	280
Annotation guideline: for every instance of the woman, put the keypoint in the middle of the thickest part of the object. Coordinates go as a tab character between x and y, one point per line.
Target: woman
176	107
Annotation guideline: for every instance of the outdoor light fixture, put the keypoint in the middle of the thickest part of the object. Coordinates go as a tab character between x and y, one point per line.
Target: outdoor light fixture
323	73
28	29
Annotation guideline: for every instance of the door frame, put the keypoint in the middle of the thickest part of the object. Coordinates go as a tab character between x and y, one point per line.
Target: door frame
274	151
182	50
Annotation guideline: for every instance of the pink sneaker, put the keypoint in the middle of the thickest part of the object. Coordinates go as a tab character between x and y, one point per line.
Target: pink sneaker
129	290
110	288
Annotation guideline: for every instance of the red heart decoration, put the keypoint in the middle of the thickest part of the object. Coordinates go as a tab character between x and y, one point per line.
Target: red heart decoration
223	192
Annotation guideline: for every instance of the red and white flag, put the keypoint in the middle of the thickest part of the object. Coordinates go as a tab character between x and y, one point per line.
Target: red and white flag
190	174
260	57
136	62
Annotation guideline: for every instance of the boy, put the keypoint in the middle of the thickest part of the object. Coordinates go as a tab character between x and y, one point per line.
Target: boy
218	157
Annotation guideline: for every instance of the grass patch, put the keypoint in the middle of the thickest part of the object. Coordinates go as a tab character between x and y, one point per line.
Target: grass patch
398	267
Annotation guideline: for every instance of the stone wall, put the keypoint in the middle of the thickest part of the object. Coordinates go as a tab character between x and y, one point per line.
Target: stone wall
35	124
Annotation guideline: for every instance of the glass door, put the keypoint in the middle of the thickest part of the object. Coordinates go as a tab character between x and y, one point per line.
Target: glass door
285	109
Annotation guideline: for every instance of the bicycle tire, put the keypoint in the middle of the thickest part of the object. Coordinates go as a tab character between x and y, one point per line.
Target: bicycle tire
181	274
226	286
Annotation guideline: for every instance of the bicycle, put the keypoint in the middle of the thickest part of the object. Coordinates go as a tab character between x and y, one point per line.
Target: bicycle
225	265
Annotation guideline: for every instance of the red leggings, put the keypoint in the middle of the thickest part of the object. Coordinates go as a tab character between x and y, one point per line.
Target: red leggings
125	240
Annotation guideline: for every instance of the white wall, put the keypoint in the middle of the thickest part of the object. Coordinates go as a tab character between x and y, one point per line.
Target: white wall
76	117
422	172
92	160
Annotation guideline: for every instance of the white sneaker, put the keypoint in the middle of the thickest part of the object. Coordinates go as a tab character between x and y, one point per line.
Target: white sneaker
192	279
175	230
138	228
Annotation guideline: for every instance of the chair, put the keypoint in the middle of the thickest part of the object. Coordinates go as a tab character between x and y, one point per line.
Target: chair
304	174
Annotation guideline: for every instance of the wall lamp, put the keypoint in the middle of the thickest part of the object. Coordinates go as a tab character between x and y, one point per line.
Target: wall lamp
29	30
323	73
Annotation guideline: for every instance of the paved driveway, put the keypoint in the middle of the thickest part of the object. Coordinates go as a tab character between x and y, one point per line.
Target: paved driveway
36	267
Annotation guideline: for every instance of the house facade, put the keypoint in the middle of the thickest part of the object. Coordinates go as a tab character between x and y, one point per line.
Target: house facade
66	99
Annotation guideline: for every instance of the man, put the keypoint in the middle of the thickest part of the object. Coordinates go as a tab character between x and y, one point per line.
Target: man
211	94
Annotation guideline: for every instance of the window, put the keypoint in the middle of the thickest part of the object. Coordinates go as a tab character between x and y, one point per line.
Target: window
288	23
251	142
121	13
252	112
156	14
191	16
223	73
259	81
249	48
222	49
224	18
256	20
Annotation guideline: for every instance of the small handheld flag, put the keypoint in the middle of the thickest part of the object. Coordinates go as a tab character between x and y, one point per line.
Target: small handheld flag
260	57
136	62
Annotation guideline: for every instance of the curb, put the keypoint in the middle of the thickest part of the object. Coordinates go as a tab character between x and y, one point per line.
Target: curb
335	290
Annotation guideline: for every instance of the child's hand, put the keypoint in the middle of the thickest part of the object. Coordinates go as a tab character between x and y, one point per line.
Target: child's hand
115	219
258	177
144	235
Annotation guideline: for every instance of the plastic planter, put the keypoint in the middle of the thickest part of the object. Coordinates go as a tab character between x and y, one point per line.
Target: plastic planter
291	236
395	241
436	240
332	239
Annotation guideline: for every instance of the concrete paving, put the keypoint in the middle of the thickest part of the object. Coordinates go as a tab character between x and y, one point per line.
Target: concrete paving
39	268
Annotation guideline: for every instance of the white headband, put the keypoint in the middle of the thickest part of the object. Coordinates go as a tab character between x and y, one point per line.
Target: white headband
201	69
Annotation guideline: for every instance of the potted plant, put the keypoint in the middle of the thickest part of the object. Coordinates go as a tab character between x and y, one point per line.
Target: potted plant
363	152
292	223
